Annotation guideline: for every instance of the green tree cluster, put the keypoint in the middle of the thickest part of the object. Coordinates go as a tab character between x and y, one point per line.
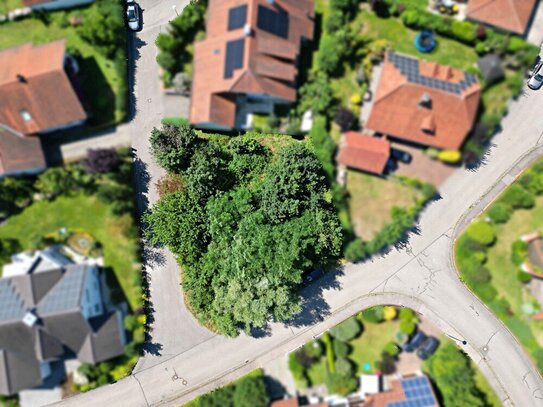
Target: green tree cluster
175	44
245	227
248	391
451	371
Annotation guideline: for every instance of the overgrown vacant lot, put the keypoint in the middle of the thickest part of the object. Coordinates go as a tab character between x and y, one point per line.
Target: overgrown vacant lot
372	199
86	213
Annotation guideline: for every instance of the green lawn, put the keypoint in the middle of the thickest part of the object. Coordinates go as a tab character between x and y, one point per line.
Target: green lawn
101	83
10	5
447	52
370	200
80	212
368	347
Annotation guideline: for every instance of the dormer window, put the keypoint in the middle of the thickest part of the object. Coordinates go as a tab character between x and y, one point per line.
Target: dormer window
27	117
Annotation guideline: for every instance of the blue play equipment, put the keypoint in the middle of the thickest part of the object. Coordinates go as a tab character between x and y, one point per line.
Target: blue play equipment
425	41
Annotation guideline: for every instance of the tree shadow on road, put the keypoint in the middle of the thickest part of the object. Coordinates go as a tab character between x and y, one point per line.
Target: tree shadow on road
314	306
141	184
152	348
134	55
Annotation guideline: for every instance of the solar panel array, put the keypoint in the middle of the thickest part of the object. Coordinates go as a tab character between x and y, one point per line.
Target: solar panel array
11	304
237	16
409	67
234	57
418	393
66	295
274	22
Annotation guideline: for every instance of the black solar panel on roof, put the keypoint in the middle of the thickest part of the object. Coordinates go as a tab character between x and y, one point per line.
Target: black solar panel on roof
237	17
274	22
234	57
409	67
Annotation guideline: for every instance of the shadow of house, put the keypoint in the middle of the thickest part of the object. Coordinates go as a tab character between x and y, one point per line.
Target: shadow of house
98	96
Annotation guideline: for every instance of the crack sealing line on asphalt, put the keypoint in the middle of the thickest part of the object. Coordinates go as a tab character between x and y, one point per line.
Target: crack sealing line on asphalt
143	391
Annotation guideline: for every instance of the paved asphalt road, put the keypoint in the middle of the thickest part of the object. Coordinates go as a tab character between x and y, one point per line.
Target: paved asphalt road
421	275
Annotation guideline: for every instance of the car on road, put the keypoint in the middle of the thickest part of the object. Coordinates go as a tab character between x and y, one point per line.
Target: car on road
400	155
415	341
133	15
311	276
536	78
428	348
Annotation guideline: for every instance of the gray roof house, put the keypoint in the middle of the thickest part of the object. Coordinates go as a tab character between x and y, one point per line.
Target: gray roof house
52	313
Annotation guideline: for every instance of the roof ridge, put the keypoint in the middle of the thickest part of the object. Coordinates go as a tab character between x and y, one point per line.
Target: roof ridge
517	16
482	5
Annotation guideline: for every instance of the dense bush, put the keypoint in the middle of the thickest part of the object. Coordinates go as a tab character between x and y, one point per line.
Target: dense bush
532	181
173	146
100	161
464	31
341	349
323	145
103	27
313	349
316	94
392	349
296	367
499	212
518	197
481	232
343	366
344	119
248	391
176	42
519	252
524	277
407	326
355	250
340	384
374	315
55	181
347	330
451	371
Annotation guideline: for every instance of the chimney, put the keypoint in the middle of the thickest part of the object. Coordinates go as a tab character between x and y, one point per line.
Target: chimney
21	78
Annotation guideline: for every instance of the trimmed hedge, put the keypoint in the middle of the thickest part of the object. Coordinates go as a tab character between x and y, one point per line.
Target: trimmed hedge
481	232
347	330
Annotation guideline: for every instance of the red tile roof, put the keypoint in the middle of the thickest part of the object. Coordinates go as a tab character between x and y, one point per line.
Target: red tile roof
32	79
509	15
268	63
396	393
425	103
19	153
364	152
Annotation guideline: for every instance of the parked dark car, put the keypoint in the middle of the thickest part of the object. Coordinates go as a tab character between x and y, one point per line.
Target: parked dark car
428	348
310	276
415	341
400	155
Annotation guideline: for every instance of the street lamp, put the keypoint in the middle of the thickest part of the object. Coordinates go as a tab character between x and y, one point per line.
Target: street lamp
175	9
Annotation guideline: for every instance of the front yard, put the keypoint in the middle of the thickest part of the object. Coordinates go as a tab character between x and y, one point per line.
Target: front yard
371	200
102	77
491	268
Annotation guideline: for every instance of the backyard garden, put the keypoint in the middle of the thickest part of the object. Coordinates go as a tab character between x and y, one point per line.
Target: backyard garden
370	342
493	259
95	35
88	207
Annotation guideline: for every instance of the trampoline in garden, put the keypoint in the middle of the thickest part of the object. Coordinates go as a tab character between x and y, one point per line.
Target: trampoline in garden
425	41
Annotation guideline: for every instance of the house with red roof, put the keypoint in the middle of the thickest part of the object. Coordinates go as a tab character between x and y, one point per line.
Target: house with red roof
36	98
424	103
363	152
248	61
507	15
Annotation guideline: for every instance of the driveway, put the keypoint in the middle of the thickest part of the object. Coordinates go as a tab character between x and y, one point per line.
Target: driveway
420	275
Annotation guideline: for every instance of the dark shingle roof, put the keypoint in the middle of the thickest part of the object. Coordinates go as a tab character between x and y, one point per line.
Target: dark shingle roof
55	297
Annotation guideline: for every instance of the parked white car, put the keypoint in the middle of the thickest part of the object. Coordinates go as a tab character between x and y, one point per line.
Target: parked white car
536	78
133	15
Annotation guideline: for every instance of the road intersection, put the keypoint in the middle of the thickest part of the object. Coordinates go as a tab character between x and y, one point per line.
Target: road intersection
189	360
